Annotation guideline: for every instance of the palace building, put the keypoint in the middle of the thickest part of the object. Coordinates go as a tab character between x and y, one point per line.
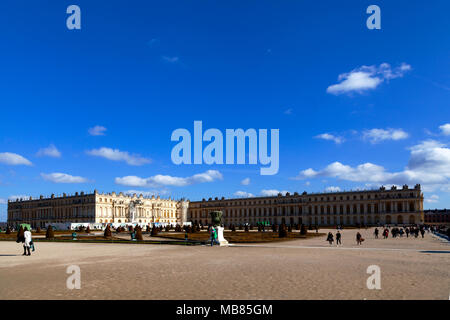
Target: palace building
437	216
382	206
368	207
96	208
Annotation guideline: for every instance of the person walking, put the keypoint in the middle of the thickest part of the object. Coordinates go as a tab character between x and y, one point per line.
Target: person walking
422	231
338	238
213	236
27	242
359	239
330	238
376	233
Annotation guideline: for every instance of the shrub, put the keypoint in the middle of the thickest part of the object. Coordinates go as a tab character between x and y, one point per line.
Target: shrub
282	231
107	233
154	232
274	228
50	234
139	233
303	230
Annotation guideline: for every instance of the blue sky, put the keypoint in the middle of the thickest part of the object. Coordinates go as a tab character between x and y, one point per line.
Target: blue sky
356	108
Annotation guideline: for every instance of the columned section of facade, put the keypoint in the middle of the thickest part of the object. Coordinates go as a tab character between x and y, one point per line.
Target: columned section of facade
393	206
97	208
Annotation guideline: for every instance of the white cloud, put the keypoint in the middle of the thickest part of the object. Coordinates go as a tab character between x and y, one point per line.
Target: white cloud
245	182
117	155
378	135
3	201
366	78
13	159
429	164
97	131
445	129
62	178
330	137
332	189
272	192
288	111
171	59
243	194
432	199
50	151
165	180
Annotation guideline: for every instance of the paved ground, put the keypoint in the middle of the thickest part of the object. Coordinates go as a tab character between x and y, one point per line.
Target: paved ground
298	269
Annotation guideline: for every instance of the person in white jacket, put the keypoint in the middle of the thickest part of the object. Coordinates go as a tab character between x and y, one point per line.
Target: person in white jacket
27	243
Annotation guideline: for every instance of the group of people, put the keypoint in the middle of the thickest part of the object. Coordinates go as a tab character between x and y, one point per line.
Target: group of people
27	241
395	232
399	232
330	238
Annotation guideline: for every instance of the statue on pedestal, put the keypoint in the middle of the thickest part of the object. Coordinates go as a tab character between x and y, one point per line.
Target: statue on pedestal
132	209
216	218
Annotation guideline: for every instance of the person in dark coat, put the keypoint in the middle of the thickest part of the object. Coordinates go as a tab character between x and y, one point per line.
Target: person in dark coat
338	238
359	239
330	238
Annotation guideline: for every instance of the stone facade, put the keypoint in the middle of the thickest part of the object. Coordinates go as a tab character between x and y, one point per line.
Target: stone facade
382	206
96	208
437	216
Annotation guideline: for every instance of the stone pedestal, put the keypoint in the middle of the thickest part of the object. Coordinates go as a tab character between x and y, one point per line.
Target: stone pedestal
220	238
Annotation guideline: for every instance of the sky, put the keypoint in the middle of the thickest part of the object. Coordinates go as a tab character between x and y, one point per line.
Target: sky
95	108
